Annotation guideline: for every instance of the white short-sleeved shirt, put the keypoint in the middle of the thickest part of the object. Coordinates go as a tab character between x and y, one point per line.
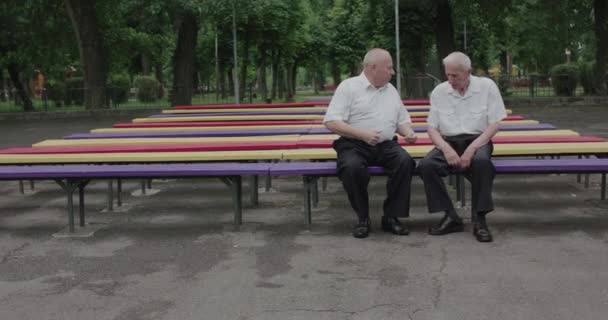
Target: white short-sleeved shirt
358	103
452	114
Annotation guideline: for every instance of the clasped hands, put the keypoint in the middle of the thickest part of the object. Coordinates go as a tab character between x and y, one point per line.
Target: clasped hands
372	137
455	161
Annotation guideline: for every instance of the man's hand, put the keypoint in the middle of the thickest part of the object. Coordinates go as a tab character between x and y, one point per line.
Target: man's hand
467	156
465	160
452	157
371	137
411	137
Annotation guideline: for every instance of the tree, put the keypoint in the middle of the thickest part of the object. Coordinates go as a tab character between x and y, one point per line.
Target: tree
49	48
600	11
183	59
93	55
444	31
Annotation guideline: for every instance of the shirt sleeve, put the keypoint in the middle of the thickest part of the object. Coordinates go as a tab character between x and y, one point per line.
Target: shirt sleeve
432	120
338	109
403	116
496	107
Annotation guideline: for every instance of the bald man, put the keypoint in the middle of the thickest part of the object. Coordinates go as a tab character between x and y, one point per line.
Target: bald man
366	111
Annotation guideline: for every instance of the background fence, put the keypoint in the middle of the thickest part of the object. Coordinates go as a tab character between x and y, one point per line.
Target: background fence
420	86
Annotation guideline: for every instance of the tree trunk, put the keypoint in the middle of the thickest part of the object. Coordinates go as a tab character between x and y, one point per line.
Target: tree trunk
600	9
290	83
354	69
280	81
262	89
4	88
183	60
244	65
444	32
145	64
13	72
158	70
222	82
93	55
335	72
275	74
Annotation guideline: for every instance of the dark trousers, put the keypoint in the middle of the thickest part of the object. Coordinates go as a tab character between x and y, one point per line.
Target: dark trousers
481	175
354	156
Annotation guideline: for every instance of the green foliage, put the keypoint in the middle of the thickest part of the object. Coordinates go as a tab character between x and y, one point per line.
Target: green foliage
564	78
587	75
56	92
74	91
147	88
119	87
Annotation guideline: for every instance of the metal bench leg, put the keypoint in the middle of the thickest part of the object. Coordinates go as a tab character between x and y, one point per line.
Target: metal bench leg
81	187
324	183
308	186
21	188
119	192
110	195
268	183
143	187
236	186
315	193
460	190
32	185
603	196
254	190
69	186
149	183
578	175
586	176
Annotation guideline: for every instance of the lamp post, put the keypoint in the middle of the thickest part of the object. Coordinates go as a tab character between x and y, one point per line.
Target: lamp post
397	45
236	63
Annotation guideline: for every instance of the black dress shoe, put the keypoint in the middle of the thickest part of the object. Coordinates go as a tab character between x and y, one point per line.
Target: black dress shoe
447	225
482	233
392	224
361	229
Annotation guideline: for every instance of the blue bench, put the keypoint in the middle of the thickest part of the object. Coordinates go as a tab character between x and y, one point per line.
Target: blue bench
312	171
76	177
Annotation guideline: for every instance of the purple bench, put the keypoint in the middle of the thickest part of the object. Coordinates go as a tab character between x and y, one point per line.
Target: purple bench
312	171
265	132
72	177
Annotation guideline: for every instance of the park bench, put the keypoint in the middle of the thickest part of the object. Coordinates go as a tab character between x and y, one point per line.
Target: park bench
312	171
414	102
241	123
76	177
504	126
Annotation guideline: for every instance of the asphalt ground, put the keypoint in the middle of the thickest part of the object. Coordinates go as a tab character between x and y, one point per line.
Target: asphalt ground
175	254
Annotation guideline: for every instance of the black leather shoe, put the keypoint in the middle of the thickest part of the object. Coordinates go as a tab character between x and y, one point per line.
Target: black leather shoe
392	224
482	233
361	229
447	225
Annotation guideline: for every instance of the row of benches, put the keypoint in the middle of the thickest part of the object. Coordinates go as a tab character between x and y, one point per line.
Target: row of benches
76	177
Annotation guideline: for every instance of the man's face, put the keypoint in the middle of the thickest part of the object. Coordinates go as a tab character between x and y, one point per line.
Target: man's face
383	71
457	77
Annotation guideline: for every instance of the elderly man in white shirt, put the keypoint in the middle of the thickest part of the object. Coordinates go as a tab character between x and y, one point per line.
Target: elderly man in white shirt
464	116
366	111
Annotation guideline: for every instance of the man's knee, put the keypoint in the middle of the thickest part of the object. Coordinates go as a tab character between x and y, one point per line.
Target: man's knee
482	163
407	162
352	165
426	166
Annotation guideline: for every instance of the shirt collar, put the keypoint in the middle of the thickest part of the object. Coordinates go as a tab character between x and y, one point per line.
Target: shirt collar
473	88
367	84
